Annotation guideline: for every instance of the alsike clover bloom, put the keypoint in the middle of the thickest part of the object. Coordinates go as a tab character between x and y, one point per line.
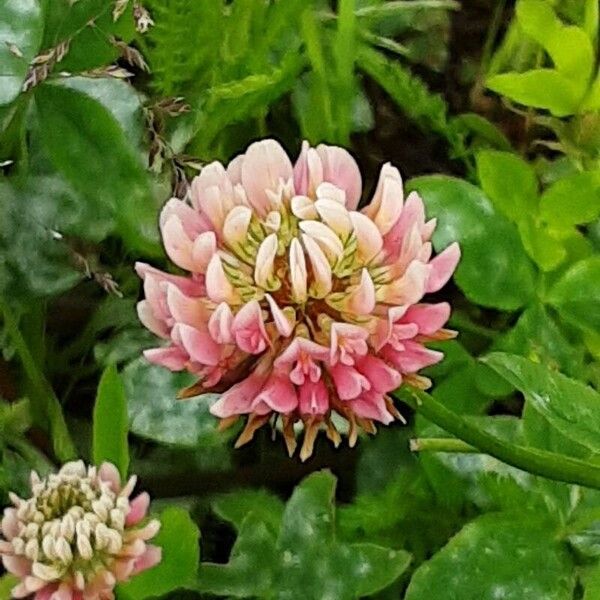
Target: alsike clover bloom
78	535
297	304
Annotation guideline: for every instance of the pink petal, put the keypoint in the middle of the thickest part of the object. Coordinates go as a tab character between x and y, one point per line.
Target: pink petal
386	206
277	395
368	237
371	405
10	523
249	329
220	324
308	171
17	565
192	221
203	249
210	189
413	358
177	243
172	357
314	399
412	213
137	509
189	286
149	559
380	375
109	473
266	166
218	287
442	267
409	289
284	325
44	594
341	169
238	399
198	344
150	321
349	383
429	318
361	300
190	311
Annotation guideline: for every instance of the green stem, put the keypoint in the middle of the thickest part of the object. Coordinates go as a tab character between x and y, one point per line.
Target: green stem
442	445
43	398
539	462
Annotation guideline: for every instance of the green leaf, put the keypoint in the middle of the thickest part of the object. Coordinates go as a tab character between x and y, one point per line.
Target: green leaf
7	583
178	538
155	412
110	422
491	484
540	88
235	507
249	570
509	182
307	545
539	338
34	263
568	405
572	200
261	565
576	295
21	34
569	47
546	250
494	269
591	581
507	555
88	146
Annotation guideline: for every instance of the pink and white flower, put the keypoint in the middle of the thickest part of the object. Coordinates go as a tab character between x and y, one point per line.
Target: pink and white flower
297	304
78	535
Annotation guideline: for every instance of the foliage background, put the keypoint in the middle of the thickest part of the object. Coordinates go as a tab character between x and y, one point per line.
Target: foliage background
491	109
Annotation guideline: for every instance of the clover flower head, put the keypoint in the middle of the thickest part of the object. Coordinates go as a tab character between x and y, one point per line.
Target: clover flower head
297	304
78	535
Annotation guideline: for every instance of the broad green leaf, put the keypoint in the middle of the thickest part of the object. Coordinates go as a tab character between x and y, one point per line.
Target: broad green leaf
591	18
572	200
157	414
591	101
513	556
591	582
178	539
7	583
509	182
21	27
494	269
236	506
569	47
545	249
481	129
307	545
569	405
88	146
249	570
538	337
491	484
576	295
540	88
119	98
110	422
305	560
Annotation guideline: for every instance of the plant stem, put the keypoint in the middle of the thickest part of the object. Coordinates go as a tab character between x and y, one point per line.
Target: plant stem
44	396
539	462
442	445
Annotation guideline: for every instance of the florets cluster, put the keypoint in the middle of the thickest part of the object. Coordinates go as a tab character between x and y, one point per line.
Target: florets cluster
77	535
297	304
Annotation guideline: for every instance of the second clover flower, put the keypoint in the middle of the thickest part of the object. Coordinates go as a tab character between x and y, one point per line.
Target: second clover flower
297	304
